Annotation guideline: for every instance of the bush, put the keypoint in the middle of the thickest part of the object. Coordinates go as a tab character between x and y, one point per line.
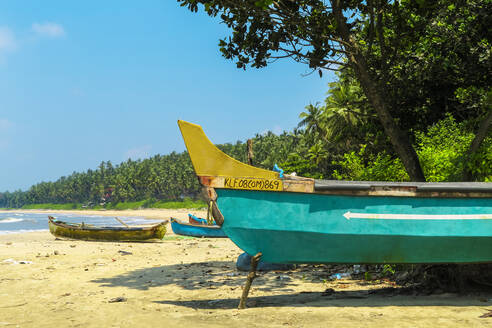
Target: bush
362	167
442	151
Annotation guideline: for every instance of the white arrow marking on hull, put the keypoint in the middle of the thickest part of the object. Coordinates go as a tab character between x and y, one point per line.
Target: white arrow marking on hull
350	215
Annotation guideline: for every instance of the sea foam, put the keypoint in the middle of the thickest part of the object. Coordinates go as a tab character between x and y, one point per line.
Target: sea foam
6	232
10	220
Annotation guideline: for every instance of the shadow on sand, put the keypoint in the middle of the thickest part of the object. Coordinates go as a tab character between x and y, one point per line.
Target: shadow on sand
359	298
191	276
217	274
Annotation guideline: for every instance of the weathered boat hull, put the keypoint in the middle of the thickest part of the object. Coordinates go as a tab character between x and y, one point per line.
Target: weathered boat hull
196	230
292	219
310	228
84	232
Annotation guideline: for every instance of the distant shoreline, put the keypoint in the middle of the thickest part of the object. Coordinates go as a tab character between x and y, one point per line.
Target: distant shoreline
150	213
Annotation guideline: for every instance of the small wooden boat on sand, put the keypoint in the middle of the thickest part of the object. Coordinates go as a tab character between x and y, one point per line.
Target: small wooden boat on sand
91	232
291	219
197	230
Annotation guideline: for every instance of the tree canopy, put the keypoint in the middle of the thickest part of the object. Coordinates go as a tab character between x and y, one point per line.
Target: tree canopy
415	61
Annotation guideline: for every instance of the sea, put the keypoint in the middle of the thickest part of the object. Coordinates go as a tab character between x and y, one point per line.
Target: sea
18	222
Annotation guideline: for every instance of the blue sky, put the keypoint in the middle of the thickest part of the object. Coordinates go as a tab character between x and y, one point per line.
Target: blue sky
87	81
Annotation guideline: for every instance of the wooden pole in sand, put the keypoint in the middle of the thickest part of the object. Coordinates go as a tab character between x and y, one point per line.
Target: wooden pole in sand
249	280
250	152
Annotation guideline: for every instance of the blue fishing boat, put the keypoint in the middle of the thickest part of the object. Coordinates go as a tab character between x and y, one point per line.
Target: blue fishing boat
291	219
196	220
197	230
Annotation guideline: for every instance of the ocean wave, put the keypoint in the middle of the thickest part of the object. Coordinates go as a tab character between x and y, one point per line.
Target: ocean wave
5	232
10	220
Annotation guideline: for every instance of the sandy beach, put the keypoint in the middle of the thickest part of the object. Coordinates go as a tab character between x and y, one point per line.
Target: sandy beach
193	282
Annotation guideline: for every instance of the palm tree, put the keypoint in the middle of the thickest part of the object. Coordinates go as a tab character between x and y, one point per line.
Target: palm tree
341	115
312	121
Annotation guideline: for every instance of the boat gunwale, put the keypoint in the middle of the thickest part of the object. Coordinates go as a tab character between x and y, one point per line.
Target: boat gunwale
486	187
373	188
216	227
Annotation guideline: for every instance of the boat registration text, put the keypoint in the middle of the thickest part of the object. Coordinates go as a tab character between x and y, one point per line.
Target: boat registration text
253	184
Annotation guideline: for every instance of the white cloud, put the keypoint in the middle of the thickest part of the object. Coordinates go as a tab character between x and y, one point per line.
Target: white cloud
139	152
7	40
50	30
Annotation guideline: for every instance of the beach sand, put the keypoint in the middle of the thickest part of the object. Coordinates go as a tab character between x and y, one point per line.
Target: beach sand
193	283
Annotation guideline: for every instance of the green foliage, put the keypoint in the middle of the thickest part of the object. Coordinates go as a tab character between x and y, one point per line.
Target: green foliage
127	205
432	60
187	203
443	152
369	167
335	132
261	30
442	149
163	178
269	149
417	61
160	181
301	166
389	270
480	163
48	206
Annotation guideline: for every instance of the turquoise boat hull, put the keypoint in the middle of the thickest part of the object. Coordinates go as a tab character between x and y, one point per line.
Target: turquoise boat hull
321	228
195	230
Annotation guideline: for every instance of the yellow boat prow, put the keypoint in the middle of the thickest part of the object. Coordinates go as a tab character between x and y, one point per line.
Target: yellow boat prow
208	160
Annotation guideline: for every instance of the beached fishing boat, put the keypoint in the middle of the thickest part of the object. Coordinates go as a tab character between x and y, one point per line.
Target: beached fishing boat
292	219
91	232
197	230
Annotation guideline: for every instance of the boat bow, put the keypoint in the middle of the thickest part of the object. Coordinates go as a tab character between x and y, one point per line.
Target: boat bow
217	169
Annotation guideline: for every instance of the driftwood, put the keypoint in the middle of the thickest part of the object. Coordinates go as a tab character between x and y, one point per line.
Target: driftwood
249	280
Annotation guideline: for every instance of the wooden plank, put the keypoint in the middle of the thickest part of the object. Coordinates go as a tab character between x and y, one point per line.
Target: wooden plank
287	184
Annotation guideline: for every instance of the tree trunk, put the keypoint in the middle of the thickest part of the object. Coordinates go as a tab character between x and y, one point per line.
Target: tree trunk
399	140
477	141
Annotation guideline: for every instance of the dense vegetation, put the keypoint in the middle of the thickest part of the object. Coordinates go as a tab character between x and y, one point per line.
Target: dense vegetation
152	182
168	177
353	153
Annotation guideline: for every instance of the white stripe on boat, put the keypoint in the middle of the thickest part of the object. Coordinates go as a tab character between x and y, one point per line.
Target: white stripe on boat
349	215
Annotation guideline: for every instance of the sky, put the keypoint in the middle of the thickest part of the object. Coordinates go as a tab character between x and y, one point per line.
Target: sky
88	81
